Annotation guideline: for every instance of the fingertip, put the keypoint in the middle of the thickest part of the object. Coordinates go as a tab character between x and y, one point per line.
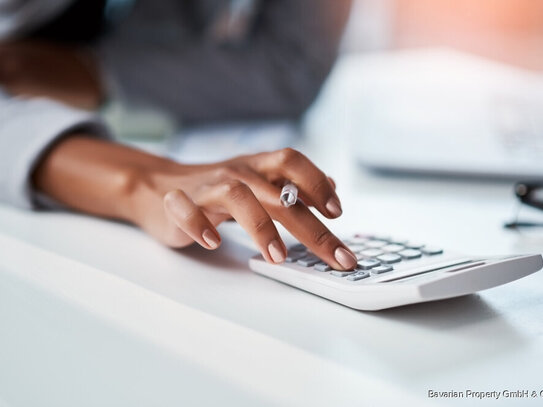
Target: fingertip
212	239
345	258
190	219
333	206
277	251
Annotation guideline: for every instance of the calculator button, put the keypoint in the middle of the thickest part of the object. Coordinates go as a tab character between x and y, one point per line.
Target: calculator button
410	254
371	252
375	244
294	256
393	248
399	241
308	261
368	264
414	245
298	248
430	251
389	258
358	276
355	247
381	269
339	273
322	267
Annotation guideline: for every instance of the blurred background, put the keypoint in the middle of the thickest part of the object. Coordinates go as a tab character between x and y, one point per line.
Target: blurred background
449	87
506	30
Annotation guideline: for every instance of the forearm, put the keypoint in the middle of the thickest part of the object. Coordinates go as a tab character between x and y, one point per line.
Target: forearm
96	176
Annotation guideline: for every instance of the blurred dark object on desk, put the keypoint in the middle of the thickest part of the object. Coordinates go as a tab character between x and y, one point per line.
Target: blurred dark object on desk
531	194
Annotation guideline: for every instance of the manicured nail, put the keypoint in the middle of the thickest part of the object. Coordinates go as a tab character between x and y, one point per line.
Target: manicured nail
334	207
210	238
276	251
345	259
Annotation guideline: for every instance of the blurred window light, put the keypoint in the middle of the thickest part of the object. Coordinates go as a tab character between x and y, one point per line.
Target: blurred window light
506	30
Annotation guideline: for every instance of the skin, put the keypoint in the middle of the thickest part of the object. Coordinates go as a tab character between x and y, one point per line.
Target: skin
177	204
182	204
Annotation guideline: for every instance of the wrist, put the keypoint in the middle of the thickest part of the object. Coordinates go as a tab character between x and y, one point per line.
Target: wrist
100	177
139	185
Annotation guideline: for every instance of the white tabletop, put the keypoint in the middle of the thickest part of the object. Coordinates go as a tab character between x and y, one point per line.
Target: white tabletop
97	313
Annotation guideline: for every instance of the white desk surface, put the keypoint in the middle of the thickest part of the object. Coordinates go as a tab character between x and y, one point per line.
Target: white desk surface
118	320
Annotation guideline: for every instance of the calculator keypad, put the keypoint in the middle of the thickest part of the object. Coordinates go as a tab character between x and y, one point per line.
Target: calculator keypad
309	260
294	255
322	267
410	254
381	269
376	255
389	258
358	276
367	264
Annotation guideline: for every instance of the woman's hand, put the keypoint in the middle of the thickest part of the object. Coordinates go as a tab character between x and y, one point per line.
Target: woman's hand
182	204
186	206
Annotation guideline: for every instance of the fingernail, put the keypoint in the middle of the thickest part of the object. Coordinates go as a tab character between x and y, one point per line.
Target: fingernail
344	258
210	238
276	251
334	207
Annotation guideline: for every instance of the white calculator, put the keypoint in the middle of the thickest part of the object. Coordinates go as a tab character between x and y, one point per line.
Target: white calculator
394	272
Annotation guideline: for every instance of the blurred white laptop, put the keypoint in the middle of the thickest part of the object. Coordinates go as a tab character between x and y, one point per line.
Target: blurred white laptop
437	111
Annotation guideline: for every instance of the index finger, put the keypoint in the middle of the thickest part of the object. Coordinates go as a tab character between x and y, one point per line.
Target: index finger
303	225
310	231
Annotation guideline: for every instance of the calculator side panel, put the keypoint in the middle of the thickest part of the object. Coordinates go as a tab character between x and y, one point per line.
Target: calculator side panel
453	283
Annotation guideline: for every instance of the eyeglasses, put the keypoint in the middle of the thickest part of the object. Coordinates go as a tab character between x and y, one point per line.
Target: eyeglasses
531	194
